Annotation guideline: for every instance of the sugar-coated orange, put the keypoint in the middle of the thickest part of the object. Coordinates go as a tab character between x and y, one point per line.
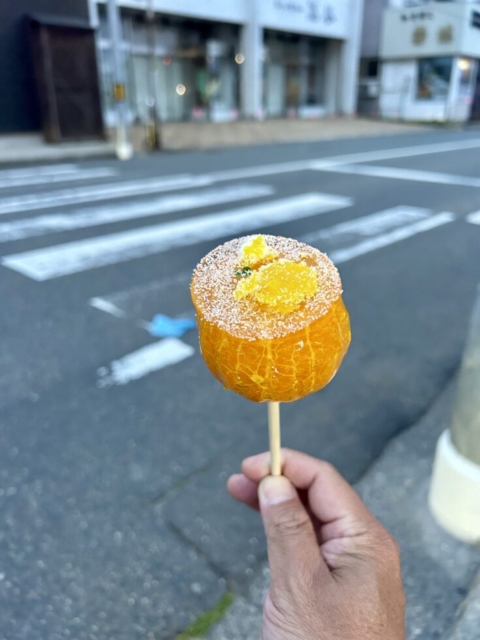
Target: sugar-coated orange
271	319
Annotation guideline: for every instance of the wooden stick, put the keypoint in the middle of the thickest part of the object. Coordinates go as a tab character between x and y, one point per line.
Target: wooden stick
274	433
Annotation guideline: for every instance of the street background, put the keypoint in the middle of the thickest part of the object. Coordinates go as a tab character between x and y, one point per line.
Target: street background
116	445
351	125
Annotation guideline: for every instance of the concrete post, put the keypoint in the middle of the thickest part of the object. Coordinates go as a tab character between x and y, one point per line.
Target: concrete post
455	487
350	59
252	68
123	146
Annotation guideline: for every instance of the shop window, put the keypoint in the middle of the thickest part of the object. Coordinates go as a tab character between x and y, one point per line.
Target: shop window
372	69
434	78
293	75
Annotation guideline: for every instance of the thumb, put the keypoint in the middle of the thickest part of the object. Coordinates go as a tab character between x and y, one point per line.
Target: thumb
293	550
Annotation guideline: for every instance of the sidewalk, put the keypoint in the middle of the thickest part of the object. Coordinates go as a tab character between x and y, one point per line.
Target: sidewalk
438	571
23	148
205	135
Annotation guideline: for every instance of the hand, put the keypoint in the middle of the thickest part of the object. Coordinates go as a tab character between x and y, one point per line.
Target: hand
335	570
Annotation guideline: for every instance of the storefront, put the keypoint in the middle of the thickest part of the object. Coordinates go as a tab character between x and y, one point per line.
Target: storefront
226	59
294	75
429	63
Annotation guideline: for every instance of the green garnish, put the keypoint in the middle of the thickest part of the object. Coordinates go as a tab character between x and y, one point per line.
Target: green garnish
243	273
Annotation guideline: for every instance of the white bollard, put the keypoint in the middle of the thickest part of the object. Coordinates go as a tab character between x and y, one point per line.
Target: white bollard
455	487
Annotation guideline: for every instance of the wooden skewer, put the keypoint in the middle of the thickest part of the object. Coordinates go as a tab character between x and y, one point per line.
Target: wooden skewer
274	433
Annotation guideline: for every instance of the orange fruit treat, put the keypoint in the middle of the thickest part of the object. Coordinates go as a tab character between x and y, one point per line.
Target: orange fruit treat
271	319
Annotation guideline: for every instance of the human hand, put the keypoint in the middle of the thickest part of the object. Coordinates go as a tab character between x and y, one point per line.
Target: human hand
335	570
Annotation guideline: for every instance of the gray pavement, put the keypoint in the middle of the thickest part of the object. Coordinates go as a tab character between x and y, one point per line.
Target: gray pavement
116	520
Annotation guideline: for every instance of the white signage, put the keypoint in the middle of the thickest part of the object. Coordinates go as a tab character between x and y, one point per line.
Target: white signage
219	10
317	17
429	31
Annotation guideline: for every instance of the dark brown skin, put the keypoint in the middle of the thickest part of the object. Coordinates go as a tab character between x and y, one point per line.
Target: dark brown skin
335	569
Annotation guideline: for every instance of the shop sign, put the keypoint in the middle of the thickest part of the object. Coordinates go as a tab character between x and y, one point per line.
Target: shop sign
445	34
309	16
416	16
419	35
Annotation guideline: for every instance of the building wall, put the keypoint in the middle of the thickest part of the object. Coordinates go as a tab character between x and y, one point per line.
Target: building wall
372	27
19	110
336	22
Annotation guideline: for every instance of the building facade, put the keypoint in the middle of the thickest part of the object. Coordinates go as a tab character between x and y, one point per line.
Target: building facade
19	101
430	53
219	60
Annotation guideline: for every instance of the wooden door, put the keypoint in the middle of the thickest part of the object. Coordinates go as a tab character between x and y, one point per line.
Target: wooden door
67	81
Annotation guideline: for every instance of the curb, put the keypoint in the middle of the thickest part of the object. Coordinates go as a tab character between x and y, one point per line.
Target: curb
467	626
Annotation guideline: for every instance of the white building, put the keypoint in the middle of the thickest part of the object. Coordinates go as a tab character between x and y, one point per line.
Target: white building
429	61
224	59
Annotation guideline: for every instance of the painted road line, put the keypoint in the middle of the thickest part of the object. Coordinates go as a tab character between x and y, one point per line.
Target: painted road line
44	170
392	154
321	163
378	242
406	174
368	225
96	193
474	218
74	257
68	176
126	303
55	223
105	305
139	364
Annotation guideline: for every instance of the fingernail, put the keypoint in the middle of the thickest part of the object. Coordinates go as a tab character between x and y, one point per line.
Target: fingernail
274	490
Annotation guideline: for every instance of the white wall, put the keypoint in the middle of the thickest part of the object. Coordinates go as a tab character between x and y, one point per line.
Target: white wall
440	19
220	10
329	18
398	95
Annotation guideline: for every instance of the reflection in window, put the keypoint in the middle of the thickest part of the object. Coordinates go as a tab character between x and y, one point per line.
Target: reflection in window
434	78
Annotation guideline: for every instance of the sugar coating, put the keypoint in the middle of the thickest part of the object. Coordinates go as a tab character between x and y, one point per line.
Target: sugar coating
214	283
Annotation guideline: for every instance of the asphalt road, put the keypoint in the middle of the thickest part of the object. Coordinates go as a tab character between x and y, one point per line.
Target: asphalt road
116	445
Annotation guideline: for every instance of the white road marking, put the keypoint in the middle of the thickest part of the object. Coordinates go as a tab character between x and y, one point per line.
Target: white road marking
321	163
63	176
474	218
140	363
413	175
55	223
112	191
121	302
401	152
53	262
378	242
108	307
369	225
46	169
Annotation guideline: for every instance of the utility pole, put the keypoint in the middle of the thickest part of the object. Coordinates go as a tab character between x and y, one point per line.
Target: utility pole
123	146
154	140
455	487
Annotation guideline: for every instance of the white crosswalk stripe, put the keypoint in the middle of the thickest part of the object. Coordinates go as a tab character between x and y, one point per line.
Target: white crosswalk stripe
80	219
73	257
63	175
114	191
474	218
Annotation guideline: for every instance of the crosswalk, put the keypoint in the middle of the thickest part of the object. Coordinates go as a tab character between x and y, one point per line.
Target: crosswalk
196	208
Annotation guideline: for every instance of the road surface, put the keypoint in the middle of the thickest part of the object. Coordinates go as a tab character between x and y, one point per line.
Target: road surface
116	445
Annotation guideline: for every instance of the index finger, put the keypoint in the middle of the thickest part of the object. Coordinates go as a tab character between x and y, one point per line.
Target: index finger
330	496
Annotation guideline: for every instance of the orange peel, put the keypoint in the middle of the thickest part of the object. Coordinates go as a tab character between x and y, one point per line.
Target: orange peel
271	319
